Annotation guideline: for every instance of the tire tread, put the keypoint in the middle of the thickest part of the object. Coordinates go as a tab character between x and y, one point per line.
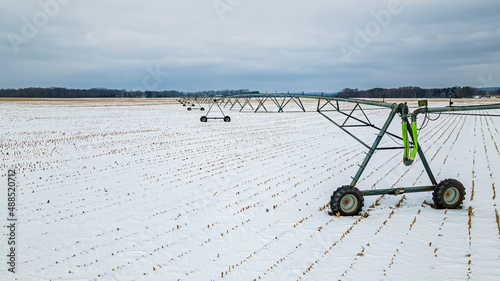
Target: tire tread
341	192
439	191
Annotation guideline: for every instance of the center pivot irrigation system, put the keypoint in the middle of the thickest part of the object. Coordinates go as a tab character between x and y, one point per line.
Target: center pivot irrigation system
212	102
348	200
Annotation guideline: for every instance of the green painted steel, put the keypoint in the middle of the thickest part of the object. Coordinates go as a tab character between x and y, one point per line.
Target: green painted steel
360	101
406	142
409	136
261	104
397	190
372	149
415	140
454	108
408	157
211	106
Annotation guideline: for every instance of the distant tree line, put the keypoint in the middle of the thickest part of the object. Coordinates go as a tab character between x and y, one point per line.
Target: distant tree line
55	92
417	92
213	93
401	92
59	92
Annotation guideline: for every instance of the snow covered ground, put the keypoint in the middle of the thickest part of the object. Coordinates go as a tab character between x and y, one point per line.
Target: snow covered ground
142	190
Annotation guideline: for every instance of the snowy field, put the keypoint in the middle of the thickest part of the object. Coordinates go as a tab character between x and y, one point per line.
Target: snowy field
142	190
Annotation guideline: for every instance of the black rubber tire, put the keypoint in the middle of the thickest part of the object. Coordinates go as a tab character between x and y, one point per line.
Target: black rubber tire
346	200
183	104
203	119
189	108
448	194
202	109
227	119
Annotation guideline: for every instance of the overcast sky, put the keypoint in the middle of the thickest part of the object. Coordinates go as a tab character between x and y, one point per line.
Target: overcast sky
265	45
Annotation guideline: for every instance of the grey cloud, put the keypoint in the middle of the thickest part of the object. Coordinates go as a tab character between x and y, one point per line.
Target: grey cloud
260	45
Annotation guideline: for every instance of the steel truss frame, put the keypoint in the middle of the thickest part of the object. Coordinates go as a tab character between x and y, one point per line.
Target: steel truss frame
214	102
333	104
396	109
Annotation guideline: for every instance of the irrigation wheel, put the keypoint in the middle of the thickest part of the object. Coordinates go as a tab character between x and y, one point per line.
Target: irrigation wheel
203	119
449	194
227	119
189	108
202	109
346	200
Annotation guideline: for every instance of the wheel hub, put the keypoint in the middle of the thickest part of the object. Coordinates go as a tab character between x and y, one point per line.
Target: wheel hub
349	203
451	196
